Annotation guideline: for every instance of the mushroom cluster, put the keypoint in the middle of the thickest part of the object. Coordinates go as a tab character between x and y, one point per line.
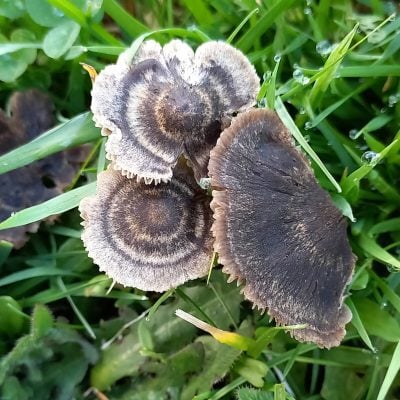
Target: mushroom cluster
275	229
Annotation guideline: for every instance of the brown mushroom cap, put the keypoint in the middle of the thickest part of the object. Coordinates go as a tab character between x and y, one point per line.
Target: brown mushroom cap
31	115
278	230
152	237
169	101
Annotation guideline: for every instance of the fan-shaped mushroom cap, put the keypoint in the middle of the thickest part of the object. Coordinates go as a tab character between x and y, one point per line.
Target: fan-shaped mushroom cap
167	101
278	230
31	115
152	237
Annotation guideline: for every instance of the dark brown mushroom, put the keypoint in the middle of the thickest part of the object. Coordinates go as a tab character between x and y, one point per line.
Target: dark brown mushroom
169	101
278	231
152	237
31	114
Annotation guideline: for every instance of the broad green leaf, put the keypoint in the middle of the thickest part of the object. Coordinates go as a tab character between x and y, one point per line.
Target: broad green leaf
11	66
76	131
377	321
24	36
252	370
11	317
59	39
43	13
11	9
253	394
57	205
341	384
218	359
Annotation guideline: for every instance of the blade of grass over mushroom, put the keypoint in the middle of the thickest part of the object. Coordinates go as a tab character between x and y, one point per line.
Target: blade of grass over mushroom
78	130
57	205
331	65
263	24
391	373
288	121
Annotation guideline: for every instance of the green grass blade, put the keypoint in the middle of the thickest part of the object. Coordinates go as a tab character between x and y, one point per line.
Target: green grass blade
77	312
78	130
199	11
241	25
371	247
125	20
36	272
288	121
368	71
356	321
391	374
57	205
331	66
263	24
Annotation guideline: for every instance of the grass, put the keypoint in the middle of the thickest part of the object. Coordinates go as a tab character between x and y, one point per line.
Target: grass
66	332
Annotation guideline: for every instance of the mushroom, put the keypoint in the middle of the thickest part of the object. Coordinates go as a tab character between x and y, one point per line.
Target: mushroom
31	115
152	237
167	101
278	231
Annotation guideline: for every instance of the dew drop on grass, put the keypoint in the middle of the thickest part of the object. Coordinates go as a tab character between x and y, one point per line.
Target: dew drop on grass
353	134
393	99
302	110
324	47
370	157
299	77
267	75
308	11
308	125
277	57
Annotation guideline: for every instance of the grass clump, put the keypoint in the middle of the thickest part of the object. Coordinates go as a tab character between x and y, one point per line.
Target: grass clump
331	70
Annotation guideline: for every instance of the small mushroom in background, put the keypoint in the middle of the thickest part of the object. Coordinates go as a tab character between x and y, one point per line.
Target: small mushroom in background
31	114
278	231
152	237
167	101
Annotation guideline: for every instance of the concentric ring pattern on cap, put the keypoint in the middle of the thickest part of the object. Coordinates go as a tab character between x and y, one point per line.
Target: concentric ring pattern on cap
167	101
277	230
152	237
